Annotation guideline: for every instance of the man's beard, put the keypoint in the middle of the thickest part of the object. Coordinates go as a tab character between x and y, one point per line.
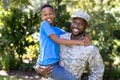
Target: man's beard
80	33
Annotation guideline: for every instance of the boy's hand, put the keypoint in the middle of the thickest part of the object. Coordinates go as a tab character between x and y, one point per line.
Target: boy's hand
87	40
44	71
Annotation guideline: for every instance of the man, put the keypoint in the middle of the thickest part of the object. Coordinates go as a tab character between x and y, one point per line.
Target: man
76	58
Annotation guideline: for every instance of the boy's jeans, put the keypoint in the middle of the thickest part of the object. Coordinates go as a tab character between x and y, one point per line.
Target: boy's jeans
59	73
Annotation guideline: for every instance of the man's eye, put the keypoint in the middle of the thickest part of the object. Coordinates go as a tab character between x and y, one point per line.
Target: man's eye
74	22
80	23
45	15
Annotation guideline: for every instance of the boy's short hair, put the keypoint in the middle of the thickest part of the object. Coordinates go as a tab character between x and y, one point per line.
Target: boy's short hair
46	5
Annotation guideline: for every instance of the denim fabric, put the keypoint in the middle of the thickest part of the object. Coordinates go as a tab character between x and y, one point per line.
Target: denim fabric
59	73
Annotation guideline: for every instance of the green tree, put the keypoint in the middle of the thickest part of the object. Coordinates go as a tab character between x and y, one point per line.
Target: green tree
17	25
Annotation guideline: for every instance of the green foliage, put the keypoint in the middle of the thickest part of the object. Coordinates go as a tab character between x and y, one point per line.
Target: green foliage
17	25
116	34
9	78
8	62
20	2
26	67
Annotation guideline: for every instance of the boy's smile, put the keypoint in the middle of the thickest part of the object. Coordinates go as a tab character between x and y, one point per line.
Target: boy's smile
48	15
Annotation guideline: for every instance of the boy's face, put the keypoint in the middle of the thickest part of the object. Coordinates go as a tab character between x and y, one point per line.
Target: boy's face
48	14
78	26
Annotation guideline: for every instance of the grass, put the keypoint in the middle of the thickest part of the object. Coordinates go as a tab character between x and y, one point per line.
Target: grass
9	78
19	75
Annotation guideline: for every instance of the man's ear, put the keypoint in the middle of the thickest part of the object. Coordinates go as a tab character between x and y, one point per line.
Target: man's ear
54	15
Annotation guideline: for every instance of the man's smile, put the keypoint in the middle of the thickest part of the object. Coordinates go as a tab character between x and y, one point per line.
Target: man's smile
75	30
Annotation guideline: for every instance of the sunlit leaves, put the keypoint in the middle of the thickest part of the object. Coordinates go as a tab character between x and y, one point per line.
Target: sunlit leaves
19	3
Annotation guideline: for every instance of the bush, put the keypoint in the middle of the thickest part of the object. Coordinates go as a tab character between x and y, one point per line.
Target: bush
8	62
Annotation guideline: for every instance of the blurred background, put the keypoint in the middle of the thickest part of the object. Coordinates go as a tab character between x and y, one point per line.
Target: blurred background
19	31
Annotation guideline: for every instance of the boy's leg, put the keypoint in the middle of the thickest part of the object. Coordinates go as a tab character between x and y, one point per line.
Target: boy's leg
59	73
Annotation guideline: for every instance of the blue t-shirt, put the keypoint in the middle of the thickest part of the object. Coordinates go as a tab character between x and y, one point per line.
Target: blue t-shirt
49	50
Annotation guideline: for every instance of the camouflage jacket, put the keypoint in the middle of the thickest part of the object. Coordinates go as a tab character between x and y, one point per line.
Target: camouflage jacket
75	58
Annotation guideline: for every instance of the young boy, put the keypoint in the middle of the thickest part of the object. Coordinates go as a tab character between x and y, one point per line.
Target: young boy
49	45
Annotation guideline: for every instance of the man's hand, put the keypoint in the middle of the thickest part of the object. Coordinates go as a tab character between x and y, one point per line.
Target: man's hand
44	71
87	40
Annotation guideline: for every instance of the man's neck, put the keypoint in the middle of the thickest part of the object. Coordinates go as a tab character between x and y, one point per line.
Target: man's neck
79	37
